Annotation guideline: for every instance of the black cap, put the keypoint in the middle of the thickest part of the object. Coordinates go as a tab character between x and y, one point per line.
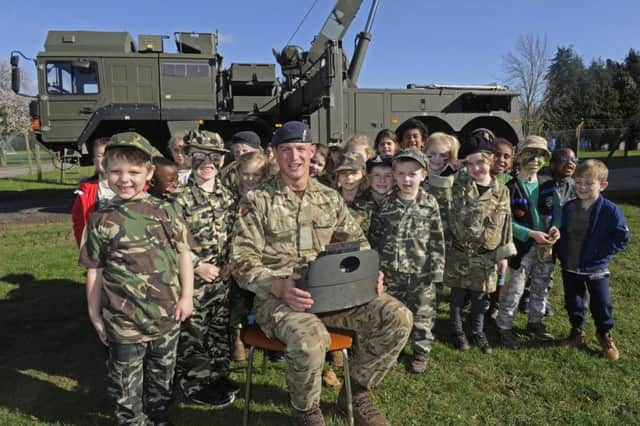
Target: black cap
246	137
379	160
292	131
480	140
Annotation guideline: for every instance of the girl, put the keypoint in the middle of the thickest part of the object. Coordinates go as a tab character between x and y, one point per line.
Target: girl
386	143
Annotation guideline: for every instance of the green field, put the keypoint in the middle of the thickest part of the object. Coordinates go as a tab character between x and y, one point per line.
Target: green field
52	364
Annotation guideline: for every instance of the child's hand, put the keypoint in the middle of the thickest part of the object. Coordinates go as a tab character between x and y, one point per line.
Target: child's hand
207	272
184	308
502	266
98	324
380	283
554	234
540	237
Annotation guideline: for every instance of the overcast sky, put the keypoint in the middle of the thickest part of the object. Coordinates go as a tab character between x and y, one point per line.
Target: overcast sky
421	41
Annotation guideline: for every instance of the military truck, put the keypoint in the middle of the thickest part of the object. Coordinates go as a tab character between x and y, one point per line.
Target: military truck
93	84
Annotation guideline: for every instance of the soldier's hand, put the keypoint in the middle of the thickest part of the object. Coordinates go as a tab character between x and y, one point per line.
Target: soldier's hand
184	308
554	234
540	237
380	283
98	324
207	272
298	300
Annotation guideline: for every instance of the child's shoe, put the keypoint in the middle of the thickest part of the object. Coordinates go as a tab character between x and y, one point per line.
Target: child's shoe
608	347
538	330
480	340
418	363
460	342
329	378
576	338
508	338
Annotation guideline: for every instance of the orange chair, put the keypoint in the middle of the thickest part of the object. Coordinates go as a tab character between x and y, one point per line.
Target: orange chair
254	338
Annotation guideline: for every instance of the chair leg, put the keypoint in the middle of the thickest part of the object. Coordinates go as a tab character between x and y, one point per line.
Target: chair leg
247	389
347	385
265	360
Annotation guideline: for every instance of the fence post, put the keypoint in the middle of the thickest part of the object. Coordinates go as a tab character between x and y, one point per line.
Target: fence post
27	145
38	163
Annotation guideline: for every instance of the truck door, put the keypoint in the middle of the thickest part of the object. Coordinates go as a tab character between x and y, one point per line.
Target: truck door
69	98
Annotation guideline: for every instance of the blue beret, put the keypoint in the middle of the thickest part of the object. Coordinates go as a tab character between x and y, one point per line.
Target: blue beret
292	131
246	137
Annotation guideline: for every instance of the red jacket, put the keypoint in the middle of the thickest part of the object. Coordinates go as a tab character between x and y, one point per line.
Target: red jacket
83	206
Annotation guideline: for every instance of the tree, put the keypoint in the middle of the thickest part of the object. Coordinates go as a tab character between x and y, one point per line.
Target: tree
14	111
525	68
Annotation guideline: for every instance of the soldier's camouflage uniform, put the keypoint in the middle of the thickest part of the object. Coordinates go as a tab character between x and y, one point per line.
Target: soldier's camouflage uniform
136	243
277	230
408	236
480	226
204	351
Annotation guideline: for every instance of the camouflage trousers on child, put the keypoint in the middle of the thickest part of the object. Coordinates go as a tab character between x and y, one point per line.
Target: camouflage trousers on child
140	379
381	328
419	295
204	351
539	274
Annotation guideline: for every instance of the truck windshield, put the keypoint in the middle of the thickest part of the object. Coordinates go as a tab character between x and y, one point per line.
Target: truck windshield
71	78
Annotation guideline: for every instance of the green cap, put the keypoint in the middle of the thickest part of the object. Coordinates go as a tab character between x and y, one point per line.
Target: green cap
132	140
411	154
205	140
351	161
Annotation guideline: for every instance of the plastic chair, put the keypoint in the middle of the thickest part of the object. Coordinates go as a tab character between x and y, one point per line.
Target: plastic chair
254	338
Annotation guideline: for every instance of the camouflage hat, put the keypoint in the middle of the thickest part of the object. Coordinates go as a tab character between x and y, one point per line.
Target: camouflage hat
292	131
379	160
132	140
411	154
204	140
350	161
533	142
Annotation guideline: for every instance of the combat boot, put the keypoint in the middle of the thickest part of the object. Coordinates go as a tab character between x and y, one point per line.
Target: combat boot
576	338
608	347
364	413
418	364
238	347
311	417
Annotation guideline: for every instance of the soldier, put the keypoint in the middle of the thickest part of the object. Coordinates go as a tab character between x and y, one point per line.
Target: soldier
204	351
284	223
407	232
139	284
241	143
480	227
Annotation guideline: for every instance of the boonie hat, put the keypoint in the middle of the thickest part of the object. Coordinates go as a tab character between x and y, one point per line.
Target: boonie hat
379	160
246	137
132	140
350	161
411	154
534	142
205	140
292	131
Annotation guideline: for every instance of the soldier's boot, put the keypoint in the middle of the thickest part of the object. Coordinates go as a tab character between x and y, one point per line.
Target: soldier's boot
508	338
608	347
576	338
364	413
538	330
311	417
337	359
238	347
329	378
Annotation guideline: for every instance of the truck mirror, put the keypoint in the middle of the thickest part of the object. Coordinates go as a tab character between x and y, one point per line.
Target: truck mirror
15	73
82	64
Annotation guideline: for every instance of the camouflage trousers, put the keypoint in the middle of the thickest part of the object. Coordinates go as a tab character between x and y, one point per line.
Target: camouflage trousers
140	379
419	295
381	328
204	350
240	304
539	274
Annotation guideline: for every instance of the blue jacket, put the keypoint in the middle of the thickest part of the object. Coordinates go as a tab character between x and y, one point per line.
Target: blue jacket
607	235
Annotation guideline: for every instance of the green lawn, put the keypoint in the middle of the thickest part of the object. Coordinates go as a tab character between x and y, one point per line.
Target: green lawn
52	365
618	161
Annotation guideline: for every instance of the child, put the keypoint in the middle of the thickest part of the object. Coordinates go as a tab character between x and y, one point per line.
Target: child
386	143
442	151
593	230
536	214
242	143
480	226
204	350
176	147
165	178
412	134
407	232
319	161
504	161
361	145
563	165
350	176
139	284
92	192
380	179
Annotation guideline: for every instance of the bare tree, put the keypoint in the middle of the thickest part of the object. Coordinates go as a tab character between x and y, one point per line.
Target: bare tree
525	68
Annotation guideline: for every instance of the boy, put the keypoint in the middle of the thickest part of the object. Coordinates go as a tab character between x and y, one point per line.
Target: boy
412	134
380	179
536	215
563	165
407	232
593	230
204	351
139	284
242	143
165	178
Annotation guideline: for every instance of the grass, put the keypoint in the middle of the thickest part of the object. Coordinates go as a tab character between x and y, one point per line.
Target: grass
19	158
52	365
618	161
28	185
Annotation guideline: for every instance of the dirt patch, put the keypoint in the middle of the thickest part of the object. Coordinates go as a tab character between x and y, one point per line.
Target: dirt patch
37	210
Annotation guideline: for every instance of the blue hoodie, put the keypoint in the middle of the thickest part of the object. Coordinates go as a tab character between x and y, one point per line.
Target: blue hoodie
607	235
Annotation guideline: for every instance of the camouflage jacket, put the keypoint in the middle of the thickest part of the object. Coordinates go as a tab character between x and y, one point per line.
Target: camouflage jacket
136	243
209	217
277	230
228	176
362	208
408	236
440	187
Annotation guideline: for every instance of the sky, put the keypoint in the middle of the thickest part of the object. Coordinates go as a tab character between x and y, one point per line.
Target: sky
414	41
